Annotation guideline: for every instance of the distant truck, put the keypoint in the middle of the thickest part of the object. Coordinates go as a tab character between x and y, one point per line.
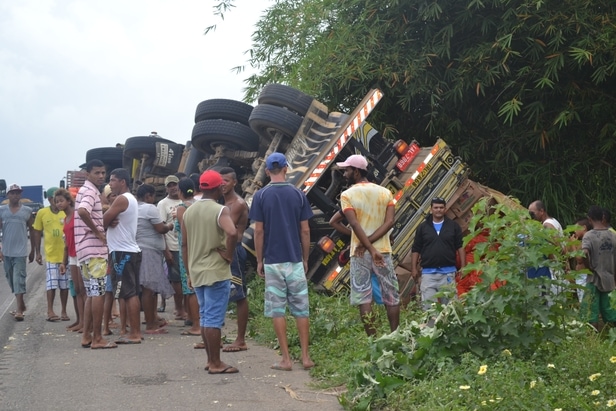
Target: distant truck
32	196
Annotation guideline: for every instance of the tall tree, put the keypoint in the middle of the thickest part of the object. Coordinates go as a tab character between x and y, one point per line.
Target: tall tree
523	90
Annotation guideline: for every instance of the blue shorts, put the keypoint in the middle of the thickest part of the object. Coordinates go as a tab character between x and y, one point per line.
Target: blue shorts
15	270
55	279
238	270
285	283
213	301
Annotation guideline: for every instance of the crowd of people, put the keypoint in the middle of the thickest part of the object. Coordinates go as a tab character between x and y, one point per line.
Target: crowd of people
103	247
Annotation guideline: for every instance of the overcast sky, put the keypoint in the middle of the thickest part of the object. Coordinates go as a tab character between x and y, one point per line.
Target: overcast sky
76	75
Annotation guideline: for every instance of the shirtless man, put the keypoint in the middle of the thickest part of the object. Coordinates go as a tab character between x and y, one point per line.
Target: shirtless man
239	214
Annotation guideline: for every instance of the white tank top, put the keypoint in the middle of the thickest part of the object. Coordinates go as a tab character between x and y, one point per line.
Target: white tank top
123	237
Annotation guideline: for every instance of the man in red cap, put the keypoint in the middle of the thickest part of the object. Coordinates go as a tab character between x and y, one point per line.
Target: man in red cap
369	209
208	243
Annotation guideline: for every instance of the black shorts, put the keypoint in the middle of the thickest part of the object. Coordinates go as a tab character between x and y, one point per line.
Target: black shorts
124	267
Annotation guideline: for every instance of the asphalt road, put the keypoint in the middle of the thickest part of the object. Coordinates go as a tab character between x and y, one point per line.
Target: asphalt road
43	367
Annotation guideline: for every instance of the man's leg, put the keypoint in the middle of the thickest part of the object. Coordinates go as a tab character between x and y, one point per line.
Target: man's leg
148	299
134	318
213	301
393	316
19	281
86	338
367	318
51	296
280	328
303	329
97	272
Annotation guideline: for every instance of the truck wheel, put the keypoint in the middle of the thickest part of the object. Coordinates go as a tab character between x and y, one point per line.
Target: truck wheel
111	156
135	147
284	96
208	134
267	120
223	109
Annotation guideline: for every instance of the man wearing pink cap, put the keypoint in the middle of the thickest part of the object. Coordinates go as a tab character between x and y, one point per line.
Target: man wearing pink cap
369	209
208	242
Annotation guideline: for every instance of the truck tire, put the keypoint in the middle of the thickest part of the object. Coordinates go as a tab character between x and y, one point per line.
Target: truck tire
135	147
223	109
284	96
208	134
267	120
111	156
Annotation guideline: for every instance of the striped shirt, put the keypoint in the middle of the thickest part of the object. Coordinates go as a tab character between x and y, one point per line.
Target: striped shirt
87	244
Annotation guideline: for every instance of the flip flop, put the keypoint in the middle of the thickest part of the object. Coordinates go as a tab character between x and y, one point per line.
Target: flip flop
160	309
199	346
19	317
104	347
157	331
127	341
228	370
88	345
234	348
281	368
65	318
189	333
53	319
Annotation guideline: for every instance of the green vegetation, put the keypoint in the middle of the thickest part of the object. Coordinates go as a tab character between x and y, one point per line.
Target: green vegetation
516	346
523	90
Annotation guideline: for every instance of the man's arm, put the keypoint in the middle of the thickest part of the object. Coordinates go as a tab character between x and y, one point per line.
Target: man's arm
32	245
119	205
390	214
226	223
239	214
258	238
336	222
184	246
377	258
87	219
305	239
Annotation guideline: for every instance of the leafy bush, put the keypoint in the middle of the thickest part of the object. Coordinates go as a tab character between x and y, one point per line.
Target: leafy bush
519	315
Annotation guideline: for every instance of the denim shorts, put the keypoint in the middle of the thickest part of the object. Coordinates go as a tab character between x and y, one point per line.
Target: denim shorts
213	301
15	270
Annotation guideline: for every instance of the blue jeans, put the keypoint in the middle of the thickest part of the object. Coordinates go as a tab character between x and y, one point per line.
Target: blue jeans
213	301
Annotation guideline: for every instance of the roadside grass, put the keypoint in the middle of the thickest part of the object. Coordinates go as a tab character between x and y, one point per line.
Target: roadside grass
558	376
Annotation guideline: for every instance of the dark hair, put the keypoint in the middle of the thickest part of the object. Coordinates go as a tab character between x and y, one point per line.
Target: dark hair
228	170
187	187
438	200
180	175
121	174
362	172
539	204
583	221
607	215
595	213
62	192
145	189
195	179
93	163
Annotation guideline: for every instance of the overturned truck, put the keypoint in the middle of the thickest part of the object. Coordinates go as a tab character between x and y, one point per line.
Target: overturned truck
234	134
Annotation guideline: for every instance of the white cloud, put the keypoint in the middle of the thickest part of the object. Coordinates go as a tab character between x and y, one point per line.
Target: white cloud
77	75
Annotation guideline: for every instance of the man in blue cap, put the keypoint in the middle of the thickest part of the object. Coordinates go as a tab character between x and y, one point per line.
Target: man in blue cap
282	242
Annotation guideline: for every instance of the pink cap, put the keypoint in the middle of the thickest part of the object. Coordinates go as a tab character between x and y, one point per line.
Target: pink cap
356	161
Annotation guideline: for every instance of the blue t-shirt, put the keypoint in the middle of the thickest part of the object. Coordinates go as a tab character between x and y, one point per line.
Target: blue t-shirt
15	230
281	208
